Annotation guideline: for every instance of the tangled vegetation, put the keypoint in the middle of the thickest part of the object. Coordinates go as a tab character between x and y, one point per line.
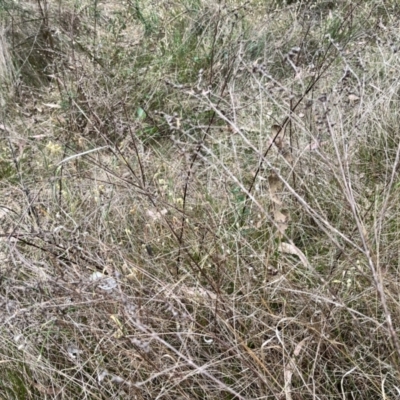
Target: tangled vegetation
199	199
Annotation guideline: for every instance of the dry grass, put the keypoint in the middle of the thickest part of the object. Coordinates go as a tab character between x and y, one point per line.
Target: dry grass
199	200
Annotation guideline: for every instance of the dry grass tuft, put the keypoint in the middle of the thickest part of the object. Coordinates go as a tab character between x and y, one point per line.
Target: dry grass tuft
199	200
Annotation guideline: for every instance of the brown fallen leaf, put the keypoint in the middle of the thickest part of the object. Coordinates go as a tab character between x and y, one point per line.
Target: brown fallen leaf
290	248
